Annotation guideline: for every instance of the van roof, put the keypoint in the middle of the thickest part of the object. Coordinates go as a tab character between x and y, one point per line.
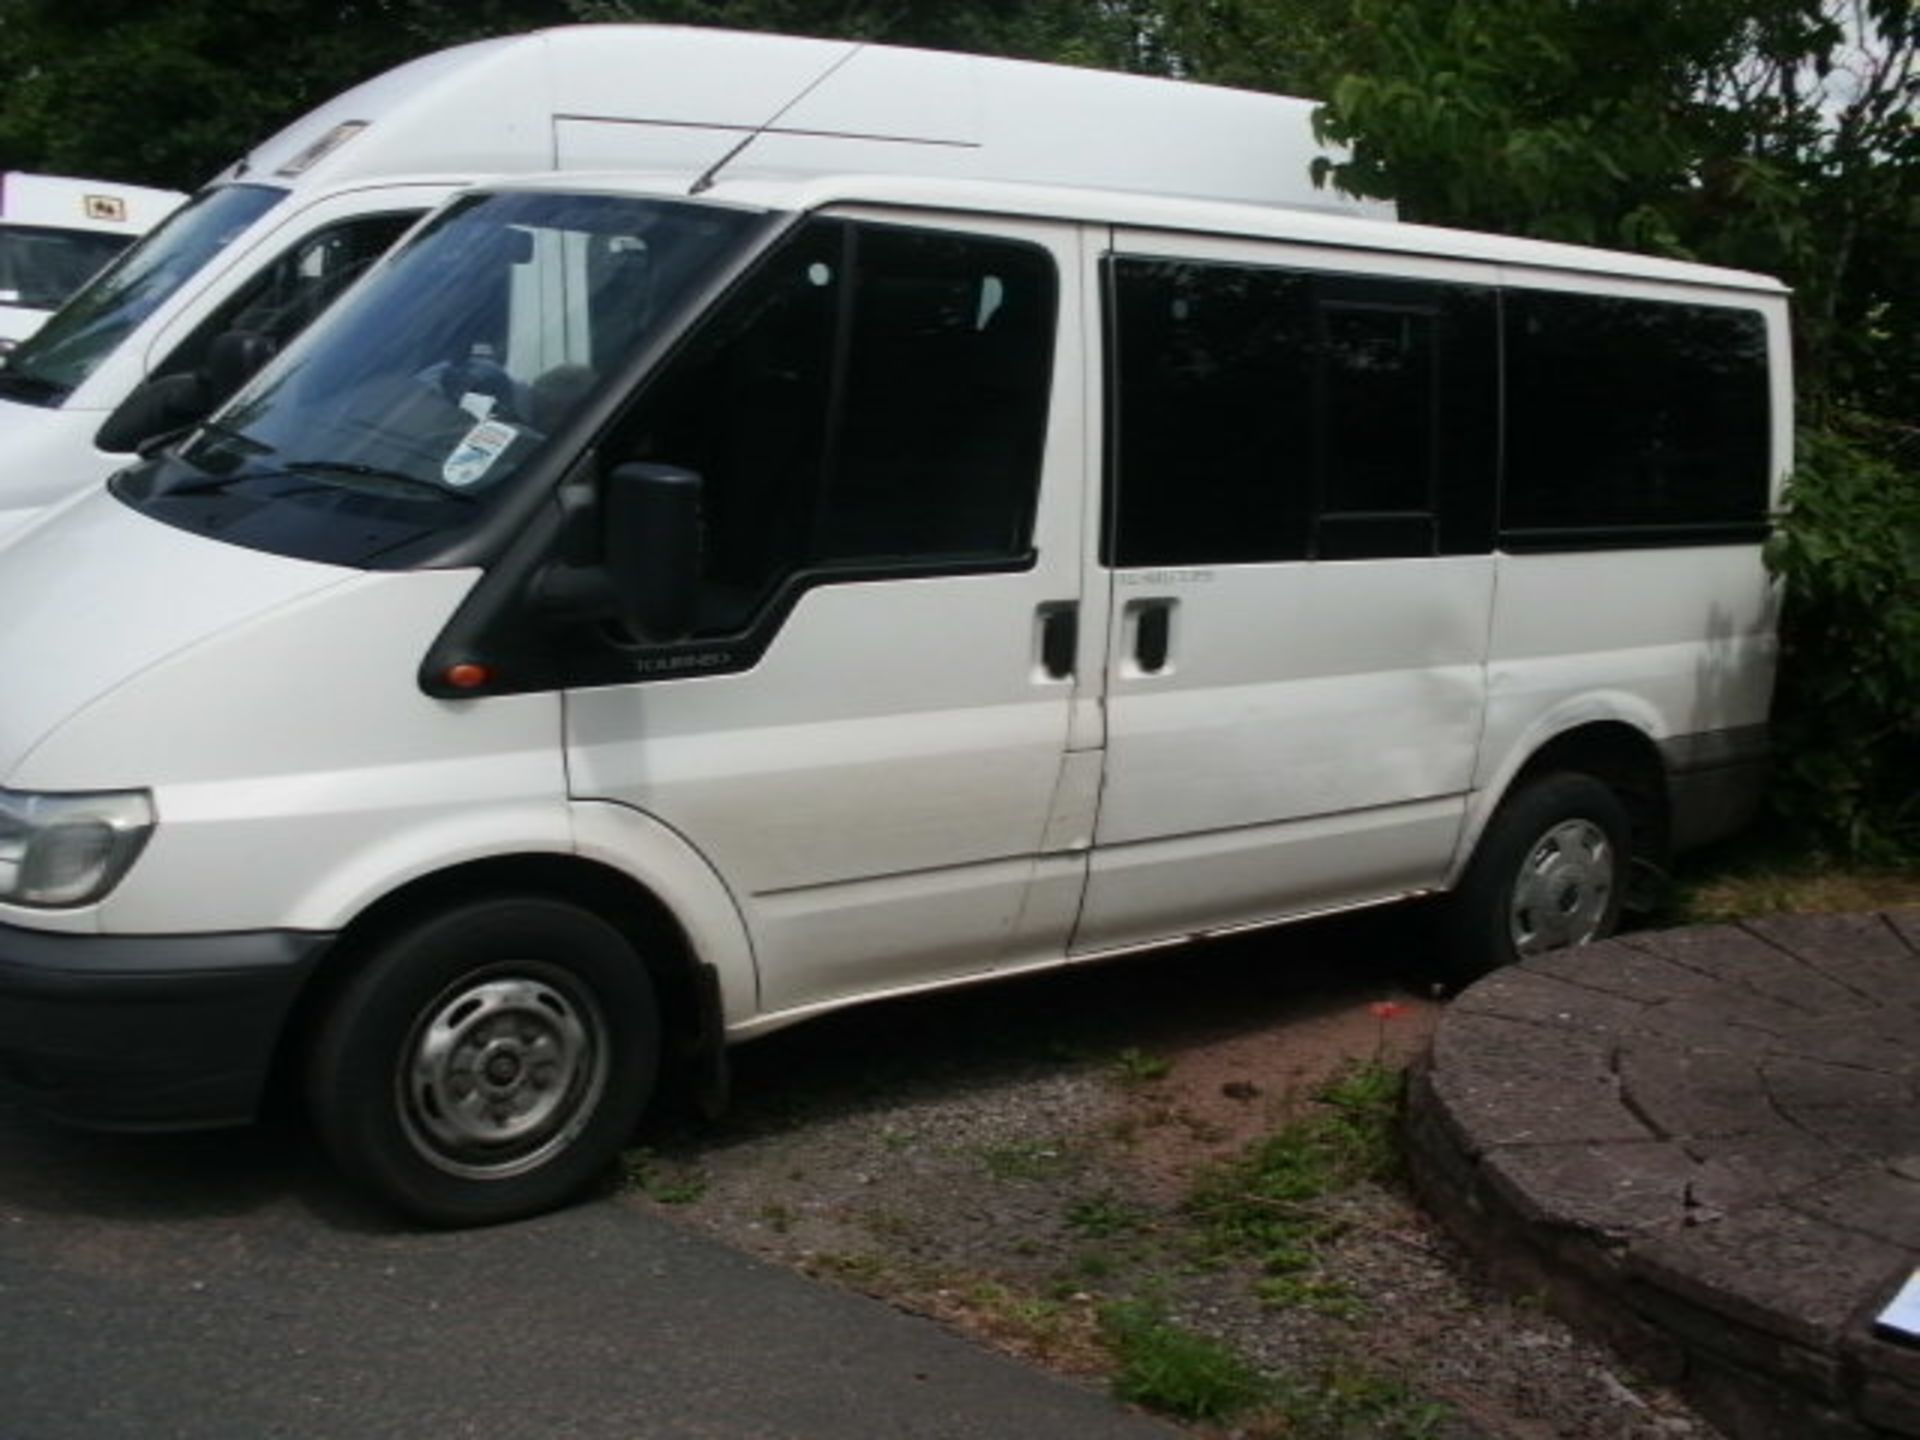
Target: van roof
1166	213
685	99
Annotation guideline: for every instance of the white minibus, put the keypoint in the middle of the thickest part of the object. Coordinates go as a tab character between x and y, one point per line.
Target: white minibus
153	343
55	232
634	621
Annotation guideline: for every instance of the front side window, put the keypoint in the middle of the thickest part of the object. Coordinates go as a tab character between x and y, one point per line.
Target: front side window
873	398
77	339
411	410
285	297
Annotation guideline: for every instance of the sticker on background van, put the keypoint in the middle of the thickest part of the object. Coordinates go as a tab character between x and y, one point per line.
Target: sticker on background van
475	454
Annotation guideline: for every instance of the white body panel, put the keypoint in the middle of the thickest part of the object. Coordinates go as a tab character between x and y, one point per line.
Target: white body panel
1311	741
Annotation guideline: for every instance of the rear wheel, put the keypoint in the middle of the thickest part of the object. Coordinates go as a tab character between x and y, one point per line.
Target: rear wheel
1549	874
488	1062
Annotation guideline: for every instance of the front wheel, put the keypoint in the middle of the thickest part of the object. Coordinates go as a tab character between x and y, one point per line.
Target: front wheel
488	1062
1549	874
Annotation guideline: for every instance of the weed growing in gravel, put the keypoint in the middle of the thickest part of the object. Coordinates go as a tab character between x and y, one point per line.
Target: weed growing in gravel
1343	1402
1133	1066
665	1182
1103	1216
1166	1367
1026	1160
1270	1202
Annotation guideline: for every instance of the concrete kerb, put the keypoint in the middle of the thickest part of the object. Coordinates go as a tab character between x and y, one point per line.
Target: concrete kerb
1703	1145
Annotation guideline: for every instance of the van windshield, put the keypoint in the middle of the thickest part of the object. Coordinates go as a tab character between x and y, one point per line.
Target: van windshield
411	408
50	364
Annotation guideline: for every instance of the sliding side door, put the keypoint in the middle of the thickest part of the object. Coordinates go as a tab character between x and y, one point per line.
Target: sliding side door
1300	487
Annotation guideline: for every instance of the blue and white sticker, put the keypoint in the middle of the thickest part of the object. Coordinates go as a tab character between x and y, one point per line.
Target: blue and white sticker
476	452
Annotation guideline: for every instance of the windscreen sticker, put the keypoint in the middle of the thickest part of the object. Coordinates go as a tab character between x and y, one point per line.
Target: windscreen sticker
475	454
478	405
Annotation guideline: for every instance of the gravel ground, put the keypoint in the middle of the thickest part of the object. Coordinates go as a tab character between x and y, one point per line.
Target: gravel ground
1011	1158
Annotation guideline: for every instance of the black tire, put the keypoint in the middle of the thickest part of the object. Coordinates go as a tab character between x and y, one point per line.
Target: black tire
488	1062
1550	872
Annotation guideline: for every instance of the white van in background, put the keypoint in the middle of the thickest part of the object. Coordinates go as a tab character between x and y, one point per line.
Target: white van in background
632	622
181	319
56	232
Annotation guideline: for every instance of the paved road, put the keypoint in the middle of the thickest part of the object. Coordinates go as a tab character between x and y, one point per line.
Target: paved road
225	1285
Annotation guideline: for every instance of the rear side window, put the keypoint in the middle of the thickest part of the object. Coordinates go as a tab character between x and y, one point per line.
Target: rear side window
872	400
1627	418
1262	414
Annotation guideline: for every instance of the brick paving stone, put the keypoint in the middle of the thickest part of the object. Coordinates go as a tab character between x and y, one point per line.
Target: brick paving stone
1695	1092
1871	1131
1610	1190
1739	957
1869	1199
1505	1100
1863	951
1624	969
1522	994
1886	1040
1906	924
1795	1083
1774	1269
1743	1172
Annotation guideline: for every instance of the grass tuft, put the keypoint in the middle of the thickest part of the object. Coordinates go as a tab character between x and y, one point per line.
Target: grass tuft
1267	1203
1166	1367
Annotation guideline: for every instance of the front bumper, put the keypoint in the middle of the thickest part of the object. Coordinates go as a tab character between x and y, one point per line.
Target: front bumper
138	1032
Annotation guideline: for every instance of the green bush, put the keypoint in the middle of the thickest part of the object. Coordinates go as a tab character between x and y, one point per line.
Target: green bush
1847	712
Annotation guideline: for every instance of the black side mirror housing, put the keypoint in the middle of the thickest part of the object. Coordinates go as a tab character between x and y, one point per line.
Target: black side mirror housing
653	527
168	405
156	411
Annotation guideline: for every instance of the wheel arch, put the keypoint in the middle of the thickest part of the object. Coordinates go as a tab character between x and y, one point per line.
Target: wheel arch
1613	750
690	992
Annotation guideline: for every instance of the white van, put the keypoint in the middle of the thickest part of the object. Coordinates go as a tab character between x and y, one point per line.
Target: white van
152	344
56	231
630	623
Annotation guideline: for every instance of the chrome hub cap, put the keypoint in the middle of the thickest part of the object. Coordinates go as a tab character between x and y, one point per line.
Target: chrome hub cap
501	1073
1564	891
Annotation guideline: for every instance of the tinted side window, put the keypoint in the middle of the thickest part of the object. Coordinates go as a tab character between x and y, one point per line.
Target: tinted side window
289	294
1212	404
872	398
1632	415
1264	414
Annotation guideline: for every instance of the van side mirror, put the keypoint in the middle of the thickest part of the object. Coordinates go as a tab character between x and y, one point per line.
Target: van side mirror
155	411
653	524
167	405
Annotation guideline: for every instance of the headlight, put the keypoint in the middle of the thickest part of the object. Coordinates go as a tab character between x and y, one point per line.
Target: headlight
63	850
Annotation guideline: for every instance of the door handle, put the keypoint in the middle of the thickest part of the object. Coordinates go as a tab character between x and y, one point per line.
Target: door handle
1152	635
1059	639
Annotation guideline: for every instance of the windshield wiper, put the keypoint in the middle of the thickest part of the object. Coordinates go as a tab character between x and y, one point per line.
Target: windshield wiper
398	479
238	437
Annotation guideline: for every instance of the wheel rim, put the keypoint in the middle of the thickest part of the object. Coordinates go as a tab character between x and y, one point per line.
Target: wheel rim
502	1072
1564	893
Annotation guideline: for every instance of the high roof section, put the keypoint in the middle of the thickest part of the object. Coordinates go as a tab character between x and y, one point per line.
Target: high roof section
684	100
